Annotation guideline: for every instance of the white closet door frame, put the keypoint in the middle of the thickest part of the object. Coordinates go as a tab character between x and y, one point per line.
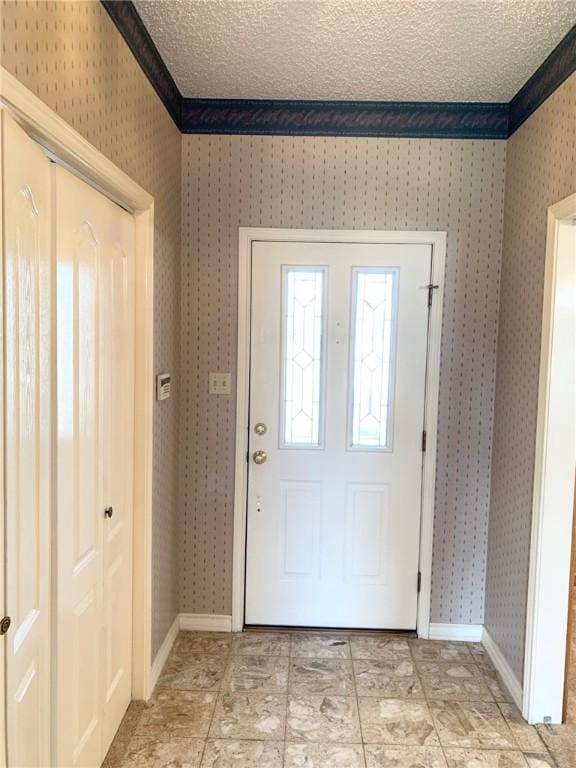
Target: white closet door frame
2	489
66	145
437	240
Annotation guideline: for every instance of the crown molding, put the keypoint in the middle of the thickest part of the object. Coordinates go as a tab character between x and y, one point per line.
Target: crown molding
423	120
128	22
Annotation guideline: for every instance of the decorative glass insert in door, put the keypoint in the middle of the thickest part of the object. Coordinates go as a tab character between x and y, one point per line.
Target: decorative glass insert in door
302	377
373	330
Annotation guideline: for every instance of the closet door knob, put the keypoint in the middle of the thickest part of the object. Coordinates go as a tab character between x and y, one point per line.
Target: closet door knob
108	512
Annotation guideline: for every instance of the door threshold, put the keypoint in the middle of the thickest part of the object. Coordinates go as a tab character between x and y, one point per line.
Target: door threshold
406	633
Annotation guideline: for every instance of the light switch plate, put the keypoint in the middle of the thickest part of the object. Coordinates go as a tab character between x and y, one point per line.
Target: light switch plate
220	383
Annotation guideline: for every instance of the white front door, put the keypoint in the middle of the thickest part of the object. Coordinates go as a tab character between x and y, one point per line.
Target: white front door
337	384
94	297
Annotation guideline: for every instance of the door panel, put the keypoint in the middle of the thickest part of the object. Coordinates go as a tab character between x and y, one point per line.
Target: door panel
338	359
27	221
117	355
300	536
79	517
367	532
85	677
94	254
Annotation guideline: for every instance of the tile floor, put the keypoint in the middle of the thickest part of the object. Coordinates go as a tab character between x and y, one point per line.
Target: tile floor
561	742
326	700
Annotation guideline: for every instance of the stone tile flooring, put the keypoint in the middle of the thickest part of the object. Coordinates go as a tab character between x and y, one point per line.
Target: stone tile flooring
561	742
326	700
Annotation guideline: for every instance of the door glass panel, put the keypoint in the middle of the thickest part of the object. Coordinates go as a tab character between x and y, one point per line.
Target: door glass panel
303	317
374	293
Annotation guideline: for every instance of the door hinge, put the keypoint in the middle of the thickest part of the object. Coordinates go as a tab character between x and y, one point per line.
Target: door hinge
431	288
419	582
423	440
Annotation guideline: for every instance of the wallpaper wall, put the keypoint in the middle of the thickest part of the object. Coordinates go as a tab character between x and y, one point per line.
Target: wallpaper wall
540	171
232	181
71	56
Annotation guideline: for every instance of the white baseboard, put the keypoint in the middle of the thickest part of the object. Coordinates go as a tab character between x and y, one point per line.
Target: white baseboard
164	652
471	633
504	669
205	622
198	622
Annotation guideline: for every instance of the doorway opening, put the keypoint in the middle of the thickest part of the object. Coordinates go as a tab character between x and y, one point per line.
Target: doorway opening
555	459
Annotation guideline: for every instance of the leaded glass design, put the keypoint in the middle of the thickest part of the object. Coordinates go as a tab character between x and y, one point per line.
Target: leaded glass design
373	342
302	356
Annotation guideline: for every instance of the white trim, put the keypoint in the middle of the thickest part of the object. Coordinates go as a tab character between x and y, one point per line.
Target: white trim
191	622
242	400
70	147
164	652
552	510
3	723
438	242
143	458
79	156
470	633
205	622
246	236
503	668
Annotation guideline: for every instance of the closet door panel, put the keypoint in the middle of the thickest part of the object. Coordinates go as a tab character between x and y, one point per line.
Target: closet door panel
80	511
28	393
117	356
95	261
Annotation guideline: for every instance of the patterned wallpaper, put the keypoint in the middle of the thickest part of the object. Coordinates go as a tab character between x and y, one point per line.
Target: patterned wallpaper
453	185
540	171
71	55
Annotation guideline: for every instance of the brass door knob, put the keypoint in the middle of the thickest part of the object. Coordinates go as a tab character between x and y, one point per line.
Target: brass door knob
259	457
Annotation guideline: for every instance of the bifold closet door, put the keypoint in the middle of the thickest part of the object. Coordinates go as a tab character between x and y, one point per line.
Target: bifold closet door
95	323
28	461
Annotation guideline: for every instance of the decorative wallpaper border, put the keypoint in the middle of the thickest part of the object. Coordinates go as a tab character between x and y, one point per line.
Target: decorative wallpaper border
346	118
128	22
559	65
448	120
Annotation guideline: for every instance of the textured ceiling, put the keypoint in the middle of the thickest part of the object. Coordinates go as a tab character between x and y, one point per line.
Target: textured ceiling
386	50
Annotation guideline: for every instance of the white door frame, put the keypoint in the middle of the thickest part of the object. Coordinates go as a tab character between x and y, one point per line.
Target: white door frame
63	143
437	240
3	745
552	509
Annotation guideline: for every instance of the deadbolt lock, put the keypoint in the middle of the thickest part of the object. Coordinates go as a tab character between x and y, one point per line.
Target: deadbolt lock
259	457
260	428
5	625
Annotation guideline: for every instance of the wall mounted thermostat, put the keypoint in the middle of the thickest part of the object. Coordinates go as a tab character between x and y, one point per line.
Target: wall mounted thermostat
163	386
